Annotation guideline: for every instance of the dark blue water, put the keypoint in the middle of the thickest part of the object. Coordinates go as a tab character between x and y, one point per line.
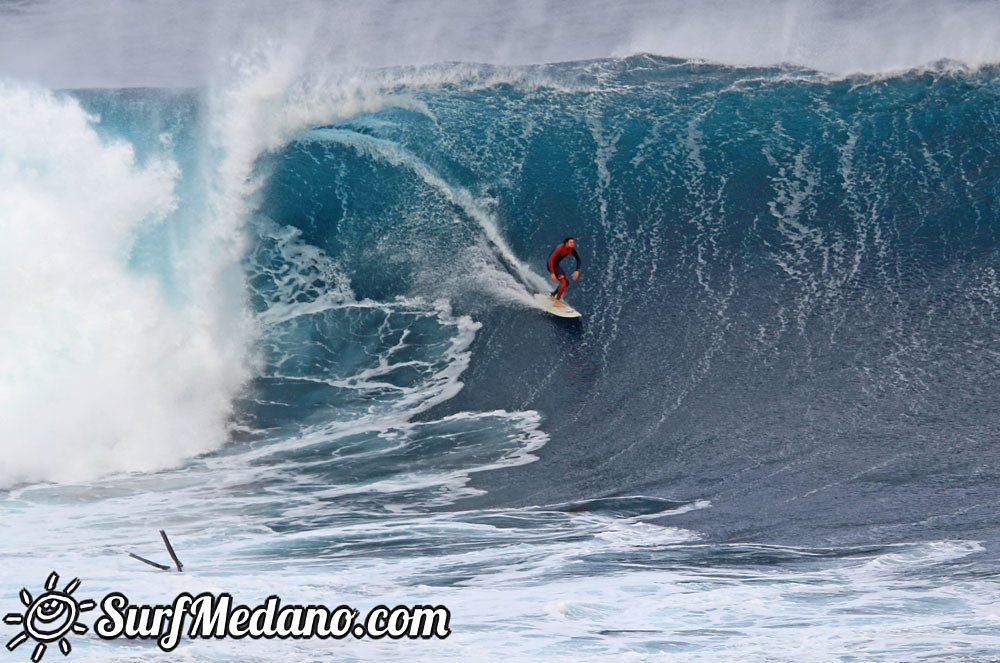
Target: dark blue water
789	284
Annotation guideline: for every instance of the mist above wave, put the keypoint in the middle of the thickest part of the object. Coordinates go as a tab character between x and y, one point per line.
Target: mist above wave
62	43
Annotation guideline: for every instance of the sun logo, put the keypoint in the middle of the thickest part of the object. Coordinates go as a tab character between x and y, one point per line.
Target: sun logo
49	617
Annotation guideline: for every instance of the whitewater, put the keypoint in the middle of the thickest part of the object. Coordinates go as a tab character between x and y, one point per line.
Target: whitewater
267	276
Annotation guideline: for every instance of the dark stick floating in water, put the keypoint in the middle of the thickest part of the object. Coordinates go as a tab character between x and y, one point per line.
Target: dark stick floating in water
170	550
162	567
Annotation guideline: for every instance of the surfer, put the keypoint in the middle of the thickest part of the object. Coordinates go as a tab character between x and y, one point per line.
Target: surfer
558	253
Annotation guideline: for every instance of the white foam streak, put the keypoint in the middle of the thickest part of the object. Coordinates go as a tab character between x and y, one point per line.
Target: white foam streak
458	196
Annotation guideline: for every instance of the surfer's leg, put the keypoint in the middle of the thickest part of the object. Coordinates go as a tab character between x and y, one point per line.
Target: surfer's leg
561	275
562	286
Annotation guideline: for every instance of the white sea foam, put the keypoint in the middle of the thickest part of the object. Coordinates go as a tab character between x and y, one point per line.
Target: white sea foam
99	373
531	584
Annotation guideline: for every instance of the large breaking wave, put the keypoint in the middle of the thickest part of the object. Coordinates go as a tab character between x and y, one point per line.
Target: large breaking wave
294	307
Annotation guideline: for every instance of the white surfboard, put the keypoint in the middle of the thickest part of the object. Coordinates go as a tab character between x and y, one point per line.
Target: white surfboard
565	311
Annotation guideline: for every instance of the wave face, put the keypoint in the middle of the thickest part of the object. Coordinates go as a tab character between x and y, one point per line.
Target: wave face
789	283
290	321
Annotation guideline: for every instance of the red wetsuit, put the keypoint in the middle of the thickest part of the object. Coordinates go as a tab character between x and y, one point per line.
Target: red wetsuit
558	253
